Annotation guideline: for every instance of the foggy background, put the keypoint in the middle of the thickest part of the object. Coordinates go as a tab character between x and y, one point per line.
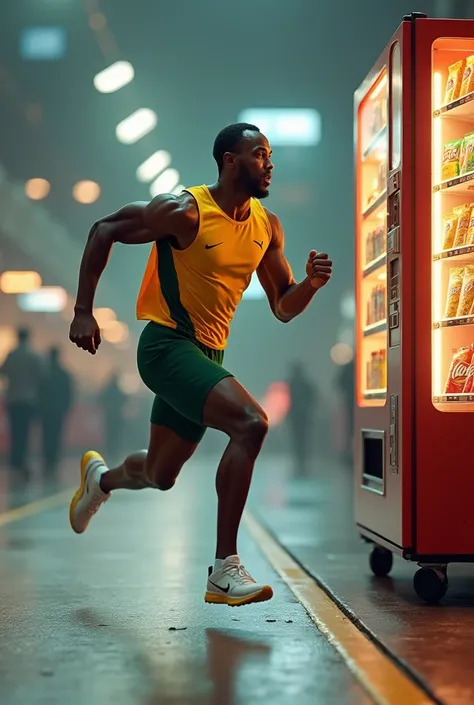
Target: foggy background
198	66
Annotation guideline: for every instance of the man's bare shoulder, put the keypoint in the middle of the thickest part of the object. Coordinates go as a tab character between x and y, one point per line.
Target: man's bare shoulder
170	214
277	231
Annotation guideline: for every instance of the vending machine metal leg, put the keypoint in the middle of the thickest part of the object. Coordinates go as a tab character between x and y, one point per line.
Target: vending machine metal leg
431	582
381	561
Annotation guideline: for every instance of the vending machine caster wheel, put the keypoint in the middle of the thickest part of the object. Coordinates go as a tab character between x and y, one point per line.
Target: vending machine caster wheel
381	561
431	584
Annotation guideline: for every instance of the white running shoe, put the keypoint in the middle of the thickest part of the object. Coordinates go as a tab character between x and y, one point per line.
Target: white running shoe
89	497
233	585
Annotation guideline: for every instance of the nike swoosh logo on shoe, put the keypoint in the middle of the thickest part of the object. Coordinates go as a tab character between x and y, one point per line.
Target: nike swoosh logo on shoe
226	590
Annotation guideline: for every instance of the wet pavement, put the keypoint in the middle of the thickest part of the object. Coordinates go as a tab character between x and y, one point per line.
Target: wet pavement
313	519
117	615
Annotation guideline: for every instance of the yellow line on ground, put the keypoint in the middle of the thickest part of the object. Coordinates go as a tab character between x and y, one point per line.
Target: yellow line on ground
377	673
36	507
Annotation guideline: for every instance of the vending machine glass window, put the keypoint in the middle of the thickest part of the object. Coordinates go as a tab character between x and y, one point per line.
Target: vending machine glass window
372	149
453	225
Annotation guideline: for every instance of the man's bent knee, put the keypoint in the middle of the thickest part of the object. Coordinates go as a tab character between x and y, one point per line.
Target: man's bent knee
251	431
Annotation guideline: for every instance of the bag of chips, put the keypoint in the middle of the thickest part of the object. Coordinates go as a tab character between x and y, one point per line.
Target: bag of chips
458	370
466	157
470	230
467	85
456	276
467	292
450	223
450	163
453	86
464	216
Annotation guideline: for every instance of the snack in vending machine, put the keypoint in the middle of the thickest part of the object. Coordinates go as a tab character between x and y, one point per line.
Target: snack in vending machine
467	85
466	158
464	216
458	371
450	166
453	85
456	276
450	224
466	299
470	230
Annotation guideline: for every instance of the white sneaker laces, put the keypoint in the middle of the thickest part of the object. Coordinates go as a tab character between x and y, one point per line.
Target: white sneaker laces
238	573
95	504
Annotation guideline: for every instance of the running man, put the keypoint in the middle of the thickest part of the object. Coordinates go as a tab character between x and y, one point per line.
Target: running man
207	242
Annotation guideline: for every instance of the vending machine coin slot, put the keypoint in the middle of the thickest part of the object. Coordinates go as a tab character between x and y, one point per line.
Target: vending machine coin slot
394	303
393	435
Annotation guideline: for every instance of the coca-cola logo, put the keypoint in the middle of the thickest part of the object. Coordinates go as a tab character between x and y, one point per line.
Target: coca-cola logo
460	370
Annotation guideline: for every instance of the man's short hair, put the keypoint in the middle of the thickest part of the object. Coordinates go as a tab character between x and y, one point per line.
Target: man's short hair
229	139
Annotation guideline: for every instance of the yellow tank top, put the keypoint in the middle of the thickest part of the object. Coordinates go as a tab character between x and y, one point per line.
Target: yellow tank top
197	290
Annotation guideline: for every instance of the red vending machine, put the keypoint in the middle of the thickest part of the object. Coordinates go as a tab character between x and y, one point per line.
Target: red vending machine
414	149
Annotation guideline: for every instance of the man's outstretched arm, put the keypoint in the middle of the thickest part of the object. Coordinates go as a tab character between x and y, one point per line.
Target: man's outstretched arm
287	298
134	224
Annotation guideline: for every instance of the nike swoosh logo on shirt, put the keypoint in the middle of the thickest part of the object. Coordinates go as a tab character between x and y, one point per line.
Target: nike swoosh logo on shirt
260	244
221	588
209	247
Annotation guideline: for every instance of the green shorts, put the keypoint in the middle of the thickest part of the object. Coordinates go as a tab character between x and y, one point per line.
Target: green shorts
181	371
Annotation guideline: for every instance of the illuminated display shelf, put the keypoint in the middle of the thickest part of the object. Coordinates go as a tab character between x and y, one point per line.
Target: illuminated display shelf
377	264
454	398
461	184
460	108
374	143
375	394
378	327
378	203
455	252
453	322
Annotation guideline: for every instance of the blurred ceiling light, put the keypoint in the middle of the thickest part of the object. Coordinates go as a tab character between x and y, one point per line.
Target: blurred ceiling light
36	189
299	127
43	43
165	183
86	192
153	165
47	299
136	126
104	316
19	282
115	332
342	354
114	77
178	189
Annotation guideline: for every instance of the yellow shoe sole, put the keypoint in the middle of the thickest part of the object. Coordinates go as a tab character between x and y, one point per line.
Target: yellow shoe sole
265	594
90	455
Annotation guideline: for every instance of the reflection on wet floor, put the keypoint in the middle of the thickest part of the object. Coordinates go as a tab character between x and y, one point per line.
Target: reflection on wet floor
118	616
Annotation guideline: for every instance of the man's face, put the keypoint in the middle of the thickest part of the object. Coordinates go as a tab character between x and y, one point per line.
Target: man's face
254	166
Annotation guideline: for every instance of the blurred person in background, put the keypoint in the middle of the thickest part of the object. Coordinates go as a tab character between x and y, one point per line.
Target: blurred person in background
208	241
302	417
345	382
23	370
56	402
112	403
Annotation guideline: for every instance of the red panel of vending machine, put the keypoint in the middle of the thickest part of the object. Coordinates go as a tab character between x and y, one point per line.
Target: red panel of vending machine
414	122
